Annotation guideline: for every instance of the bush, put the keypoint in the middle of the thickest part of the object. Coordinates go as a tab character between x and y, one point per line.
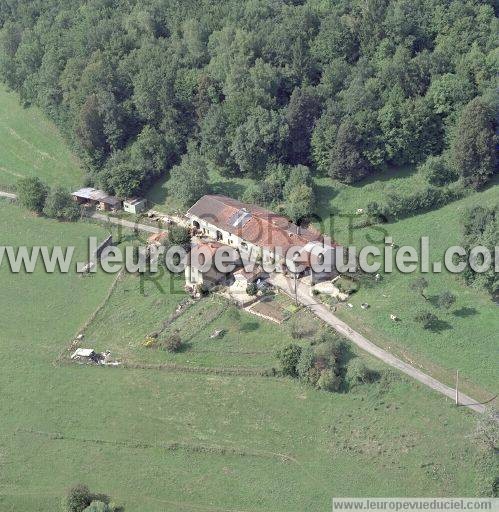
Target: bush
346	285
329	381
305	363
298	329
313	376
288	359
32	193
332	350
438	171
98	506
427	319
149	342
376	211
78	498
252	289
430	198
359	373
419	285
60	205
172	344
179	235
446	300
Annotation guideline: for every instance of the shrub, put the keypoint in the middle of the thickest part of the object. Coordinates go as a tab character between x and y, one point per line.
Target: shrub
430	198
78	498
60	205
313	376
376	211
359	373
288	359
149	342
252	289
305	363
446	300
387	378
426	319
32	193
438	171
346	285
333	351
297	329
179	235
329	381
98	506
419	285
172	344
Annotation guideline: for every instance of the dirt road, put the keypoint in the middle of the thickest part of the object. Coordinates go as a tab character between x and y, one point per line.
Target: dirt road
125	223
325	314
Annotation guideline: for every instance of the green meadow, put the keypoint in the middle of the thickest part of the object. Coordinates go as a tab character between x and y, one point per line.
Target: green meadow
140	307
30	145
160	440
465	337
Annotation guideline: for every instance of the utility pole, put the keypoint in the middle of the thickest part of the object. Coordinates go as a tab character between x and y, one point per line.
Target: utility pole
457	387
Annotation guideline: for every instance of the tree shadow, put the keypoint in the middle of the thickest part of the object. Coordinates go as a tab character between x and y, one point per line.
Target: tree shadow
439	326
158	191
249	327
465	312
324	195
228	188
185	347
433	300
387	174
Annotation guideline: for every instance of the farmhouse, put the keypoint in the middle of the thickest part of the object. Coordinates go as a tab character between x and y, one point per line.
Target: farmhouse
259	234
197	274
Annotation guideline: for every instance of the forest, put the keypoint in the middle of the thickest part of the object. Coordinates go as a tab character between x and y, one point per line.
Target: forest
272	90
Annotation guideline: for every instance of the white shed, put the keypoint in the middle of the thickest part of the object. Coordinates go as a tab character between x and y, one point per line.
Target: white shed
86	353
134	205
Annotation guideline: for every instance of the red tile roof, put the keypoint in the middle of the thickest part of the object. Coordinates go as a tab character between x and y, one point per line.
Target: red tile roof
202	250
252	223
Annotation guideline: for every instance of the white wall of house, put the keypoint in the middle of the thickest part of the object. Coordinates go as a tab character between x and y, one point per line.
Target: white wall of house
194	277
245	248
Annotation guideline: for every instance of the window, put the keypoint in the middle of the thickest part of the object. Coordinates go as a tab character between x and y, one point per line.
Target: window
219	235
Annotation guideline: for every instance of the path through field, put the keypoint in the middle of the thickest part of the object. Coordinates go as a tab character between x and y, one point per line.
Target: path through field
8	195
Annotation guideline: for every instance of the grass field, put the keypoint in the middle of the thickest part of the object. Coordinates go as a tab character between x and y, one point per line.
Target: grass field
30	145
467	334
131	315
158	440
